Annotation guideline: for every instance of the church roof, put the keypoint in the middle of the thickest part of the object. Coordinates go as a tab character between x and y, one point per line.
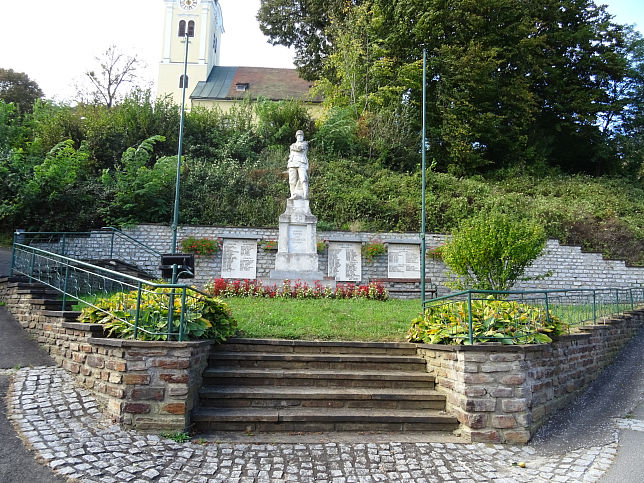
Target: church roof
231	83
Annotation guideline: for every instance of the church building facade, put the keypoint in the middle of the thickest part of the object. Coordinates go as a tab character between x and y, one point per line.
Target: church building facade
207	82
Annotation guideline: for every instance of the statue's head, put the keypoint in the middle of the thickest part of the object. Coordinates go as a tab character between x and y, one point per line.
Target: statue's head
299	135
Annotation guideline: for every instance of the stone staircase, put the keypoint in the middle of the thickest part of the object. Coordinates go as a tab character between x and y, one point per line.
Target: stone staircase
279	385
42	297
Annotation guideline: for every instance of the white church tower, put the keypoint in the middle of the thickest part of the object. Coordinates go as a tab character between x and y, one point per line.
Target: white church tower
202	21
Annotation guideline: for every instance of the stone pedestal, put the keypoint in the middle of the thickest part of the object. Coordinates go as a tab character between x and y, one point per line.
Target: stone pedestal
297	256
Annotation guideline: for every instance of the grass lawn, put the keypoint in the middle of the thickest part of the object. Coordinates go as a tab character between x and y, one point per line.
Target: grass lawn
324	319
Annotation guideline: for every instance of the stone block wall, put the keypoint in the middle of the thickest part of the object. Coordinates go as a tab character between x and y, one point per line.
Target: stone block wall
159	237
569	266
503	394
143	385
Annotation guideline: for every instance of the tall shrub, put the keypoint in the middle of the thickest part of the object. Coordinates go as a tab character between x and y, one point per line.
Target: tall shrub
491	251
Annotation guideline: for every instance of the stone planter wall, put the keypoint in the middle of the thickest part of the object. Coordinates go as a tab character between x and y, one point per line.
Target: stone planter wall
503	394
143	385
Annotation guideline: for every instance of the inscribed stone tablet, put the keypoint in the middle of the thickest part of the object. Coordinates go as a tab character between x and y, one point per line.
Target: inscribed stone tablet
297	239
239	259
404	261
345	262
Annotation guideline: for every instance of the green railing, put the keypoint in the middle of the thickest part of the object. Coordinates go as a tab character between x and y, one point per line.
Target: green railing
104	244
132	297
571	307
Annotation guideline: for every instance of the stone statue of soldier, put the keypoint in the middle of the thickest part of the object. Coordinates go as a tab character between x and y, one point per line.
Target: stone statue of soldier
298	166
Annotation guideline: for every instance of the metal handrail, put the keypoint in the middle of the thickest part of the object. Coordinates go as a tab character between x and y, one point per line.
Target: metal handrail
62	273
572	307
116	231
109	239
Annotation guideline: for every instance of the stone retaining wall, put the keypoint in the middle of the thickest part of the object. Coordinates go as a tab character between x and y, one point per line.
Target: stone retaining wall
143	385
498	393
502	394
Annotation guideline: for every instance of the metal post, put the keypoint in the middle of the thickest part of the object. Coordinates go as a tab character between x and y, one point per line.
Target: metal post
138	311
13	254
112	248
617	299
469	316
171	301
547	309
65	285
594	308
31	266
423	242
63	247
175	221
183	314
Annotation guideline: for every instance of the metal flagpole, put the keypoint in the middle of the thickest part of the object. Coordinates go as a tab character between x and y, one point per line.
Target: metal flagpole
423	242
175	221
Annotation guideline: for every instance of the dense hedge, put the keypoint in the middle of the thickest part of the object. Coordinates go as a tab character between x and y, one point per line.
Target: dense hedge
74	168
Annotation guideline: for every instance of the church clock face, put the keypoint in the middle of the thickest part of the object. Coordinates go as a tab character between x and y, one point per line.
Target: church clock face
188	4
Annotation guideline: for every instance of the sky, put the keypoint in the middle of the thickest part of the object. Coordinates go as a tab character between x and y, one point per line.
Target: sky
55	41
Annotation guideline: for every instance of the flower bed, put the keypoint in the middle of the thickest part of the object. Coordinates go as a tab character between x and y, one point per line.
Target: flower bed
220	287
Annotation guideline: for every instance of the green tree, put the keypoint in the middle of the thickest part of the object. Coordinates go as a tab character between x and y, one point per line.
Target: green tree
510	81
61	194
630	126
18	88
301	24
136	192
491	251
277	122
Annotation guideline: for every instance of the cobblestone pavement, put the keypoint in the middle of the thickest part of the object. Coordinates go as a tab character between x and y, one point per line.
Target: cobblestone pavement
65	427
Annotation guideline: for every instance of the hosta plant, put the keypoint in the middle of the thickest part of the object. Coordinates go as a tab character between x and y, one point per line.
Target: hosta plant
204	317
501	321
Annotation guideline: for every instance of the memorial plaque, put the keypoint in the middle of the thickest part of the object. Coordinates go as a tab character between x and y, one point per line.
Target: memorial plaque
239	259
297	239
404	261
345	262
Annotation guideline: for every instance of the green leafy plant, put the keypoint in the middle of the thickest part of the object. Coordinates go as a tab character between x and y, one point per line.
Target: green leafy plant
177	436
435	253
268	244
204	317
321	245
372	249
503	321
200	246
491	251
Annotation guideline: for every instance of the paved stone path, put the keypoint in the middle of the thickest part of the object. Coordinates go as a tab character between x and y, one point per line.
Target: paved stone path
65	427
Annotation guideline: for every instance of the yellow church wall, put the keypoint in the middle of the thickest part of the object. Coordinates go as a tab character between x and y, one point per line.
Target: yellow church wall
169	75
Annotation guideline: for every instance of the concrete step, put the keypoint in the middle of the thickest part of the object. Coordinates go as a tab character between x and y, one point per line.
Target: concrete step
316	347
317	361
309	397
53	304
122	267
207	420
228	375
